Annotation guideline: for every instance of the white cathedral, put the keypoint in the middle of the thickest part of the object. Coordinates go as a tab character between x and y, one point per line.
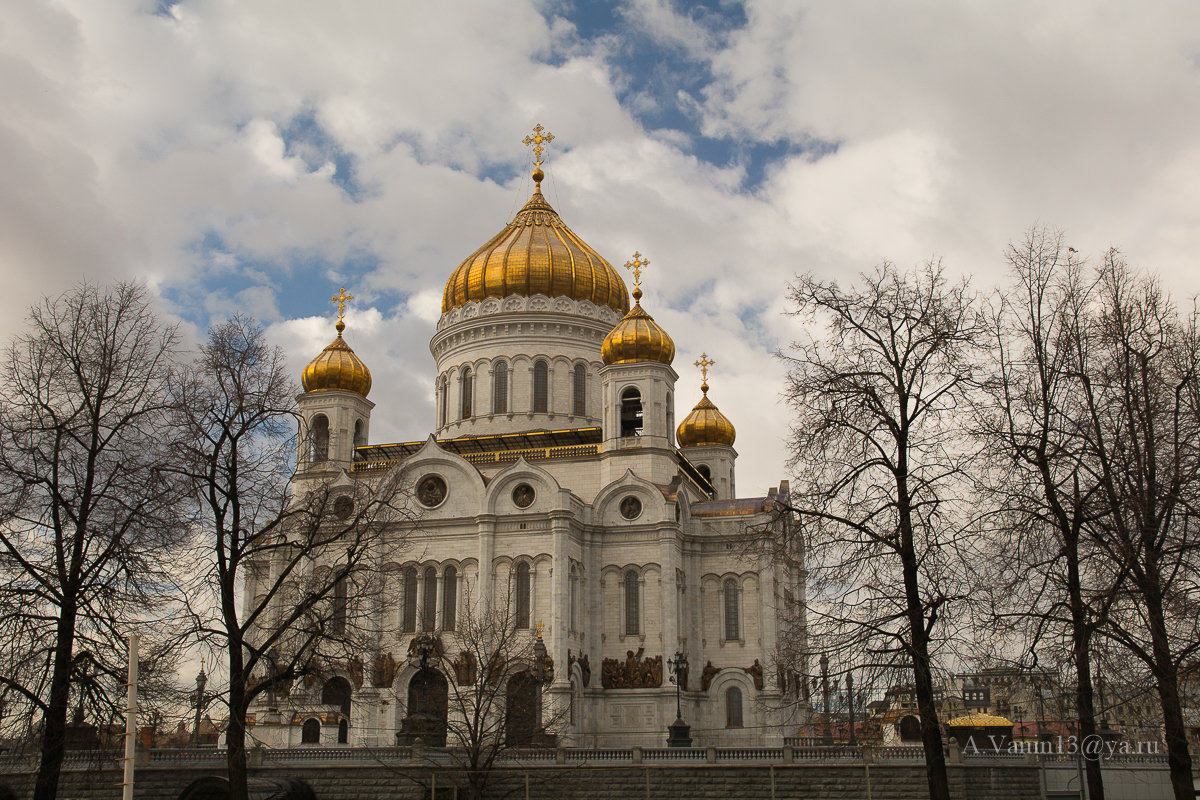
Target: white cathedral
557	481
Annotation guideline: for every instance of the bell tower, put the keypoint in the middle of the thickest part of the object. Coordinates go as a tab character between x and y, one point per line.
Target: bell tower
335	414
706	438
638	389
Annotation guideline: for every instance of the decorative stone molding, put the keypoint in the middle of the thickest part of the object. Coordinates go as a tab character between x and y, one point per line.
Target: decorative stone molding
537	303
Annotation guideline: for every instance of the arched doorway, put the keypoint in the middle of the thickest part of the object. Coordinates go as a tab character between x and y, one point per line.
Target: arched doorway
428	709
910	729
521	710
336	692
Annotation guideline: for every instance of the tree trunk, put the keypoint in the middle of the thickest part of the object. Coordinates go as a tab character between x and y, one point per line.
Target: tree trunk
1167	676
931	733
54	728
1080	645
235	736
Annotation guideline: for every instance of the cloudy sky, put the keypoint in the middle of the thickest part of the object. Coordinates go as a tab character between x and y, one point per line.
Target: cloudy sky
253	155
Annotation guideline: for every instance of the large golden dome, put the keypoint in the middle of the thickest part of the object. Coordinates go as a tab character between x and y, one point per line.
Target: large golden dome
536	253
337	368
705	426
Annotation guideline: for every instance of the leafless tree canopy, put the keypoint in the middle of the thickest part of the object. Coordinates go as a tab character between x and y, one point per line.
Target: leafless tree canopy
89	517
306	551
879	460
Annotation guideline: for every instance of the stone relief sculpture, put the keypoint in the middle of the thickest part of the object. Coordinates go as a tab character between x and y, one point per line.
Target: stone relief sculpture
755	671
383	670
633	672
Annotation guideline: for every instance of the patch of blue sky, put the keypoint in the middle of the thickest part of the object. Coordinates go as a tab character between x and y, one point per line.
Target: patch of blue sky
298	282
163	8
304	138
658	77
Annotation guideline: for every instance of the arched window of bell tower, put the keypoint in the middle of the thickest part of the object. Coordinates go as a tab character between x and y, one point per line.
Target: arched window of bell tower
704	470
541	387
320	438
631	412
360	438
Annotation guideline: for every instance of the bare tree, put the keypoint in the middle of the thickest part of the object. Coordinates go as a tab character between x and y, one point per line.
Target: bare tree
304	551
88	514
1042	473
877	392
1141	421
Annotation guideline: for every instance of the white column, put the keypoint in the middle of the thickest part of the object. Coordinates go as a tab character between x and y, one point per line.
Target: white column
486	524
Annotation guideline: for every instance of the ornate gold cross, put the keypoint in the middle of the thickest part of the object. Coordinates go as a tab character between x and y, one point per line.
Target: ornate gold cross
537	140
704	363
539	624
340	298
636	265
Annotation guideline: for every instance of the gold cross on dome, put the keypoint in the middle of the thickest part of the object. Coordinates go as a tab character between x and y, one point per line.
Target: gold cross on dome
636	265
704	363
536	141
340	298
539	629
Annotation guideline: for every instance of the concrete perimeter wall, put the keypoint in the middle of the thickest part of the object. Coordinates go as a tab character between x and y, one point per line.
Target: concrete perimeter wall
652	781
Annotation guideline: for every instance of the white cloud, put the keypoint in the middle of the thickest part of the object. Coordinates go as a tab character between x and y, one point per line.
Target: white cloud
127	138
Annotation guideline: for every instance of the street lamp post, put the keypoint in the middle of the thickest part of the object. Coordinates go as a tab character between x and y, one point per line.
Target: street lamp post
850	707
422	648
828	739
679	733
201	683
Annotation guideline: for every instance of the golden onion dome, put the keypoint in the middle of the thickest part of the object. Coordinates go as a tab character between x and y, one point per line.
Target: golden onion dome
536	253
337	368
637	337
979	720
705	426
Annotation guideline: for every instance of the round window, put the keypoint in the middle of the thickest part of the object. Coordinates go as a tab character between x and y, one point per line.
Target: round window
431	490
343	507
523	495
631	507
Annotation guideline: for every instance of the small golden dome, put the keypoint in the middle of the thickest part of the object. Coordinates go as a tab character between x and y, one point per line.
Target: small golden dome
536	253
979	720
337	368
705	426
637	337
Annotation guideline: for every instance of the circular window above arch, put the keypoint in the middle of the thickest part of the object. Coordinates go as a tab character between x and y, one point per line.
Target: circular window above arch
343	507
523	495
631	507
431	491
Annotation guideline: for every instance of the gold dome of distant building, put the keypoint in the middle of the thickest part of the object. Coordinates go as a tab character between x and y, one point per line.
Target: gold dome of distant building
979	721
637	337
705	425
337	367
536	253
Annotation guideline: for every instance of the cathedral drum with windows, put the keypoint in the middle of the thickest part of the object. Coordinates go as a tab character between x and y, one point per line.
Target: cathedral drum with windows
557	486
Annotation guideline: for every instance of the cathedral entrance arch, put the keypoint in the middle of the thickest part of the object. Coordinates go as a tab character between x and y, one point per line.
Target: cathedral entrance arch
521	710
336	692
428	708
